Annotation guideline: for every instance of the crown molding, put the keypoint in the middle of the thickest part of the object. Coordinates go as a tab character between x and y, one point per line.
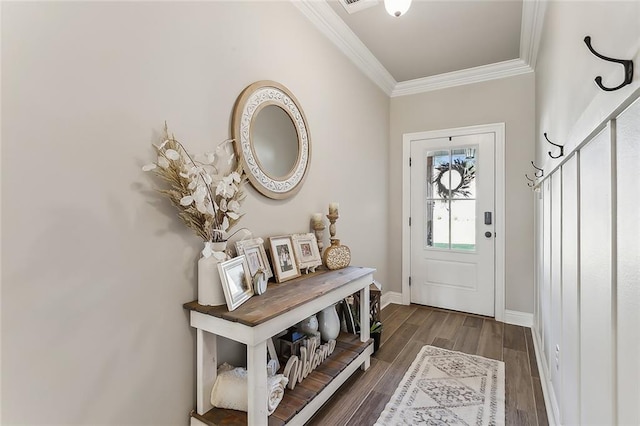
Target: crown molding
533	12
458	78
334	28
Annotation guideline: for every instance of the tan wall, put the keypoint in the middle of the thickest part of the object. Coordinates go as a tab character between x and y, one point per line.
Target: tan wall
95	264
509	100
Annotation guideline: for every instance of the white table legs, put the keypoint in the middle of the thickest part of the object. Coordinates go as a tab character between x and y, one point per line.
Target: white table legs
365	321
207	360
257	383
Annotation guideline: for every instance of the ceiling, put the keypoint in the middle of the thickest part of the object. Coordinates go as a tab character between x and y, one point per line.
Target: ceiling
436	44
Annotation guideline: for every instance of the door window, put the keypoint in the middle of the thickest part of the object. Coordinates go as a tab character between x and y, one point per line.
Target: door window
450	199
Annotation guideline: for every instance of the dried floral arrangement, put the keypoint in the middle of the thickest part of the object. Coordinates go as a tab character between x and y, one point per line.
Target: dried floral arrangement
208	200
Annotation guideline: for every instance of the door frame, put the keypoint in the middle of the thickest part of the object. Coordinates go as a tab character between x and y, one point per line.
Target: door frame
499	130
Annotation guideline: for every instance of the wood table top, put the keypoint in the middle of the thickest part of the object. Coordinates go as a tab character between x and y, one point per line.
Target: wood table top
283	297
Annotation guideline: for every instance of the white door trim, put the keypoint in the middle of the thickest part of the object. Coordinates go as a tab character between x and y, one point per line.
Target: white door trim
499	130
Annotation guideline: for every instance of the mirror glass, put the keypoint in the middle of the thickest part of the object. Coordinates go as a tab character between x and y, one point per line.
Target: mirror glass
271	139
275	141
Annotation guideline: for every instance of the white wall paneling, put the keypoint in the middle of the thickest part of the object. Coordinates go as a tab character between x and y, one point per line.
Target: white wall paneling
539	255
596	338
555	332
628	264
570	342
599	248
545	293
588	299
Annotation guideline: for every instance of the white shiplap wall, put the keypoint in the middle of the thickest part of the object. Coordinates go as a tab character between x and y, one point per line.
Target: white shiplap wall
587	325
587	289
627	319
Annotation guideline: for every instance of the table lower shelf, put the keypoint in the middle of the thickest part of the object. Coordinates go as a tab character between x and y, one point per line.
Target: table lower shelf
330	374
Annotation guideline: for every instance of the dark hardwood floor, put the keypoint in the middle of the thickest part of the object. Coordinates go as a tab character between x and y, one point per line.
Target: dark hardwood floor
406	329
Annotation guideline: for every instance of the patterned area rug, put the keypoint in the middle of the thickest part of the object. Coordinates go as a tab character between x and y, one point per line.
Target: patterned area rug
445	387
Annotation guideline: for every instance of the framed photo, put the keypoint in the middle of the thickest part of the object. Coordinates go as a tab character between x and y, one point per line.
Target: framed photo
236	281
253	250
305	247
284	261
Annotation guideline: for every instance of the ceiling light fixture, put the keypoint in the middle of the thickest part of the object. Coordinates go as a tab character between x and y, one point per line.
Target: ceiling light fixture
397	7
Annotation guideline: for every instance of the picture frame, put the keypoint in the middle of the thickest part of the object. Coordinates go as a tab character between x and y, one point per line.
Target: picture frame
236	281
254	251
305	247
283	257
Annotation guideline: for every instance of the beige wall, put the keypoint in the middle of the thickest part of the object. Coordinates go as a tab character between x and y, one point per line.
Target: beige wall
509	100
95	264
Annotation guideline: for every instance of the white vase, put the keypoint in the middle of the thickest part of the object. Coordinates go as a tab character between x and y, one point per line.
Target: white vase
309	325
328	323
210	291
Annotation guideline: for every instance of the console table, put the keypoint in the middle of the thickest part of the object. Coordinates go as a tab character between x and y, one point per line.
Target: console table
262	317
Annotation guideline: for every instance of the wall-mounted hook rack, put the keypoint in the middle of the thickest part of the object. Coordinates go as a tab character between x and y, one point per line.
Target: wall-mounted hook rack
554	144
538	170
531	181
626	63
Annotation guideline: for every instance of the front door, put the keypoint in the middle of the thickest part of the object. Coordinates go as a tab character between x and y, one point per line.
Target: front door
452	223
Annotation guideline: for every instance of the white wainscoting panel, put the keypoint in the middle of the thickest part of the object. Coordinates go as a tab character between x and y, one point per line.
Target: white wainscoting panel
555	335
544	380
596	325
570	347
537	321
545	297
628	265
598	271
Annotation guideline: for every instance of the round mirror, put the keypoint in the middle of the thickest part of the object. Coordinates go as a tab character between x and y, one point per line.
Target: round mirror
272	139
275	141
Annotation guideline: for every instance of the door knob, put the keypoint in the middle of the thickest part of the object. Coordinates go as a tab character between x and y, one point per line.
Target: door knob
488	234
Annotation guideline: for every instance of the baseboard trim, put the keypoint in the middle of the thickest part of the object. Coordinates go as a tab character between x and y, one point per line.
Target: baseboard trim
523	319
390	297
544	382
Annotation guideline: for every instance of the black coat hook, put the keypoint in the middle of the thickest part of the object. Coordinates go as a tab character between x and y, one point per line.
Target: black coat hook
538	169
554	144
628	68
531	181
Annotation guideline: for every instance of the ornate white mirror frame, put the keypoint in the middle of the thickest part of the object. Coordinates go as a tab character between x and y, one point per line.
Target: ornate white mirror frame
251	101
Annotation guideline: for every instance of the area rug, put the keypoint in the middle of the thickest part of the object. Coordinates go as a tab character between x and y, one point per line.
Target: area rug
445	387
